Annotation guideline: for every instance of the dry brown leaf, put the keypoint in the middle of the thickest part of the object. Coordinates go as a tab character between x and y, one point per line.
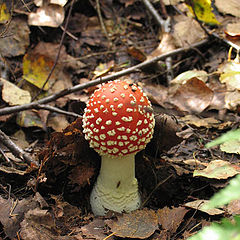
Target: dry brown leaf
58	122
218	169
12	212
228	7
166	45
170	219
65	213
38	224
234	207
19	138
233	30
199	205
51	15
232	100
17	39
187	31
93	34
95	229
194	96
81	175
171	2
137	224
136	53
219	91
14	95
230	74
200	122
156	93
231	146
11	169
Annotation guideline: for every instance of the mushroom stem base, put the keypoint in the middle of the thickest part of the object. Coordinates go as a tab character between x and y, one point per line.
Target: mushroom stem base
116	188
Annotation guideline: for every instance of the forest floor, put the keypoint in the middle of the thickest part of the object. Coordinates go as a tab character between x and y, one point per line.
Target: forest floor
50	66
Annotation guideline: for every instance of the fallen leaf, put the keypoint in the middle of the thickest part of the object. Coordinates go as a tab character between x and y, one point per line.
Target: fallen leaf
65	213
12	170
170	219
19	138
51	15
136	54
57	122
230	74
102	69
185	76
36	69
29	118
171	2
4	13
156	93
228	7
137	224
232	100
233	30
234	207
93	34
95	229
166	44
231	146
218	169
200	122
194	96
14	95
187	31
38	224
81	175
12	212
200	205
16	40
204	11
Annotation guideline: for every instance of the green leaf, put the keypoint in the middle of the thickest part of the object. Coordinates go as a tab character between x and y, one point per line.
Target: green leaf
225	231
226	195
231	135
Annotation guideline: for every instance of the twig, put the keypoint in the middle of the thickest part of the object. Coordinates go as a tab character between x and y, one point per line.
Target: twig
101	21
69	34
16	150
5	157
155	14
59	50
165	27
57	110
231	44
9	110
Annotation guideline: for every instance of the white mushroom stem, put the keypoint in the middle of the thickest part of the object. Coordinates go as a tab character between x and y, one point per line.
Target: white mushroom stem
116	188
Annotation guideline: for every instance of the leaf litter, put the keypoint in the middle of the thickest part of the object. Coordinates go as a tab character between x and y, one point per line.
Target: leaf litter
200	103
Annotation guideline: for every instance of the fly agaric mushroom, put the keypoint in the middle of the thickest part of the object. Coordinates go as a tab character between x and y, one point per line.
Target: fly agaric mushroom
118	122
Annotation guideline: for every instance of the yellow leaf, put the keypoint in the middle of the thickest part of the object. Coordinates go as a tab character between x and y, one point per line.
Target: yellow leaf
36	69
4	13
204	11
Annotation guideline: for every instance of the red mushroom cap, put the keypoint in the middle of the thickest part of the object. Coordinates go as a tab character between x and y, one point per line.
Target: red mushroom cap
118	119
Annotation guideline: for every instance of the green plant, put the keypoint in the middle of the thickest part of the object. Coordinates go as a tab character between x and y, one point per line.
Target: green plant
226	229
